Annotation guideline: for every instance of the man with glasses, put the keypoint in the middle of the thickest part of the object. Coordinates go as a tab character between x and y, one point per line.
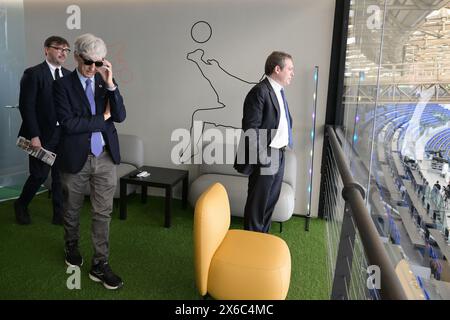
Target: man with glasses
39	125
88	102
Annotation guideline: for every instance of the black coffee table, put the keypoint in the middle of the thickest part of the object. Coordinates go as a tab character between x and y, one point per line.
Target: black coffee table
159	177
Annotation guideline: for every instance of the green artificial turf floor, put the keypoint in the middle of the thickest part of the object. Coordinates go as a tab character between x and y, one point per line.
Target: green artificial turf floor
154	262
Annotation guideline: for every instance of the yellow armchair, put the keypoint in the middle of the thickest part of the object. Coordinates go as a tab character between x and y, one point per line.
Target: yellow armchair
236	264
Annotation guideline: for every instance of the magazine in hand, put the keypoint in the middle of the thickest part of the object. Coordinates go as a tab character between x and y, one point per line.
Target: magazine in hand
42	154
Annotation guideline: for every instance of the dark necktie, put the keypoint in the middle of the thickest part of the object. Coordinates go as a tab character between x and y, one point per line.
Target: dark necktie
57	74
96	137
286	108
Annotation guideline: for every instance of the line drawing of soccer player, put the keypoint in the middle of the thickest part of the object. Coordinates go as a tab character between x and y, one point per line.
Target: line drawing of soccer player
225	86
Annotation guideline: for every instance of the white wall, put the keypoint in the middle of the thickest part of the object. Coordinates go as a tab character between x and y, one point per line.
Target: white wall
148	44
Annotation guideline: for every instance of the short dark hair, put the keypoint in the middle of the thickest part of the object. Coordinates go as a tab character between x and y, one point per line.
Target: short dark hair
276	58
55	40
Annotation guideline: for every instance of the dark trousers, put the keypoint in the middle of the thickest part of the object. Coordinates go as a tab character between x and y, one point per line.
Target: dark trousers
262	196
38	174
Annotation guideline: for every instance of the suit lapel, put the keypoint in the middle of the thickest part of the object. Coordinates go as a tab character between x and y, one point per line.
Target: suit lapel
273	97
65	72
76	84
99	94
48	77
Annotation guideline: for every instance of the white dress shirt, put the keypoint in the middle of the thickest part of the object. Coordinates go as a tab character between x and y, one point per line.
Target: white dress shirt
281	138
52	69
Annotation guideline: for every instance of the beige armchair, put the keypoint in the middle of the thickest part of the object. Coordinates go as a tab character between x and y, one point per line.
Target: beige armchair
236	185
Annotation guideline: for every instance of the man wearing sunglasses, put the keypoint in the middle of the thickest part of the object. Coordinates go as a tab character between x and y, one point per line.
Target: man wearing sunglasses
88	102
40	126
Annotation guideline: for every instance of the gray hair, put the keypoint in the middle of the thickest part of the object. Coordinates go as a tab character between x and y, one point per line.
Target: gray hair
90	46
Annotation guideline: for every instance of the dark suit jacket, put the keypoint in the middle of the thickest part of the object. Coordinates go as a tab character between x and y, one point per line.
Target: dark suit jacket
36	103
74	115
261	111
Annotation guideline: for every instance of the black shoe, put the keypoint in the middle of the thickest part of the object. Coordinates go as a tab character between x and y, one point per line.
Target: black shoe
73	256
102	272
22	215
57	219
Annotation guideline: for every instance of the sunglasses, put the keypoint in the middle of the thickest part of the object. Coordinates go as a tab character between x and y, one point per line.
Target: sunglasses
89	62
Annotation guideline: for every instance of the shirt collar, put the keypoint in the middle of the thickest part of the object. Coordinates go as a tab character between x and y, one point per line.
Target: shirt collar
275	85
83	78
52	67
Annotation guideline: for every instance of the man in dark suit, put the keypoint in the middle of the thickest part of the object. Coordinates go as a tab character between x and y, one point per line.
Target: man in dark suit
40	126
267	131
87	103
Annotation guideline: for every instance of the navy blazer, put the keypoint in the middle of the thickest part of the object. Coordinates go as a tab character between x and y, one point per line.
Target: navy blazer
74	115
261	111
36	103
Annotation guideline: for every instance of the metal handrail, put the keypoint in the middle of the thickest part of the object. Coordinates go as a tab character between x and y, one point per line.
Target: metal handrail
353	194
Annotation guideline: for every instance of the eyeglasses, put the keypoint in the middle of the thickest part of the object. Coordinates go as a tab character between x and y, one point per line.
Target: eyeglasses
59	49
89	62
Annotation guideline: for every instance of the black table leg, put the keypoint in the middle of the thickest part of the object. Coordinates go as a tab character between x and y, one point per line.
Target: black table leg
168	206
123	200
185	191
144	194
